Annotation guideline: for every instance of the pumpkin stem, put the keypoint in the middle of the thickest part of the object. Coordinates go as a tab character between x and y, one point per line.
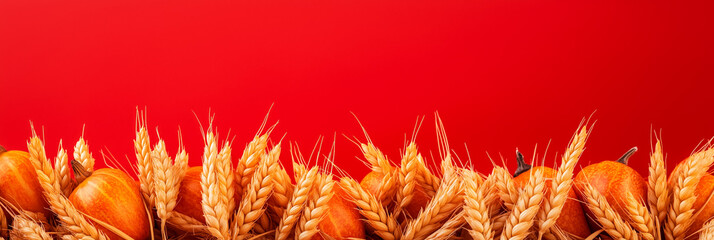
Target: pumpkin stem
80	173
625	157
2	149
522	165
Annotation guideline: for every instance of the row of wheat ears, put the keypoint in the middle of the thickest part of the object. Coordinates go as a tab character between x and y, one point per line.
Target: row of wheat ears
464	203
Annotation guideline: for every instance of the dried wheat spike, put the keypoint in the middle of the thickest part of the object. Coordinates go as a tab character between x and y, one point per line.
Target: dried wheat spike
26	228
407	178
520	220
658	192
62	171
142	149
248	162
477	206
296	204
609	220
681	209
256	195
448	199
82	154
381	221
214	209
316	208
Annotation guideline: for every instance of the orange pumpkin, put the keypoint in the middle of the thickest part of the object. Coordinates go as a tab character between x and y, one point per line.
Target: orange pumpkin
342	220
113	197
372	181
19	184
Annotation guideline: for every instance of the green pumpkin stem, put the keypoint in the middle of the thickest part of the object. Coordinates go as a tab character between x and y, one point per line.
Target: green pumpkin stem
626	157
80	173
522	165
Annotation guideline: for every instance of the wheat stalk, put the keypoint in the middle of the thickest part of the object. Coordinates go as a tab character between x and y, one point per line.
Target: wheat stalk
256	195
507	190
383	223
407	178
82	154
658	192
609	220
561	184
68	215
26	228
387	188
62	171
316	208
214	209
449	229
448	198
520	220
142	150
248	161
477	206
639	218
681	210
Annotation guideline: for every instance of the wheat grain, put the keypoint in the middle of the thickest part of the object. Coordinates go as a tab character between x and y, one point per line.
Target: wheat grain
520	220
507	190
62	171
316	209
658	192
68	215
449	229
448	198
681	210
383	223
256	195
609	220
25	228
639	218
248	161
477	206
142	150
214	209
387	188
707	231
407	178
186	223
82	154
561	185
296	204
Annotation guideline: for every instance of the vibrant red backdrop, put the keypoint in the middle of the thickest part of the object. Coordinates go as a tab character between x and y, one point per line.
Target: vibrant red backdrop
503	74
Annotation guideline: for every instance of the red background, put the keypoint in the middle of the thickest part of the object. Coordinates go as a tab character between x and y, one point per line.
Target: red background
503	74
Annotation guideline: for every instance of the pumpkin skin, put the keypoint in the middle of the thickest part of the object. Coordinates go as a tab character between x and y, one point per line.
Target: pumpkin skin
342	220
19	184
113	197
189	198
613	179
572	218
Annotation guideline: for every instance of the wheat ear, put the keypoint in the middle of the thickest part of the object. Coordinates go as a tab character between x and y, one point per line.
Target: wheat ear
639	218
82	154
166	184
449	229
520	220
142	149
225	178
507	190
256	195
477	206
707	231
681	209
26	228
316	208
248	161
378	162
68	215
383	223
658	192
407	178
186	223
62	171
425	178
448	198
282	191
609	220
296	204
561	184
214	209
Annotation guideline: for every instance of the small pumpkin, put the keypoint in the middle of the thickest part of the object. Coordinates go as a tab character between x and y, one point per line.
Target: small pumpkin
19	185
112	197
